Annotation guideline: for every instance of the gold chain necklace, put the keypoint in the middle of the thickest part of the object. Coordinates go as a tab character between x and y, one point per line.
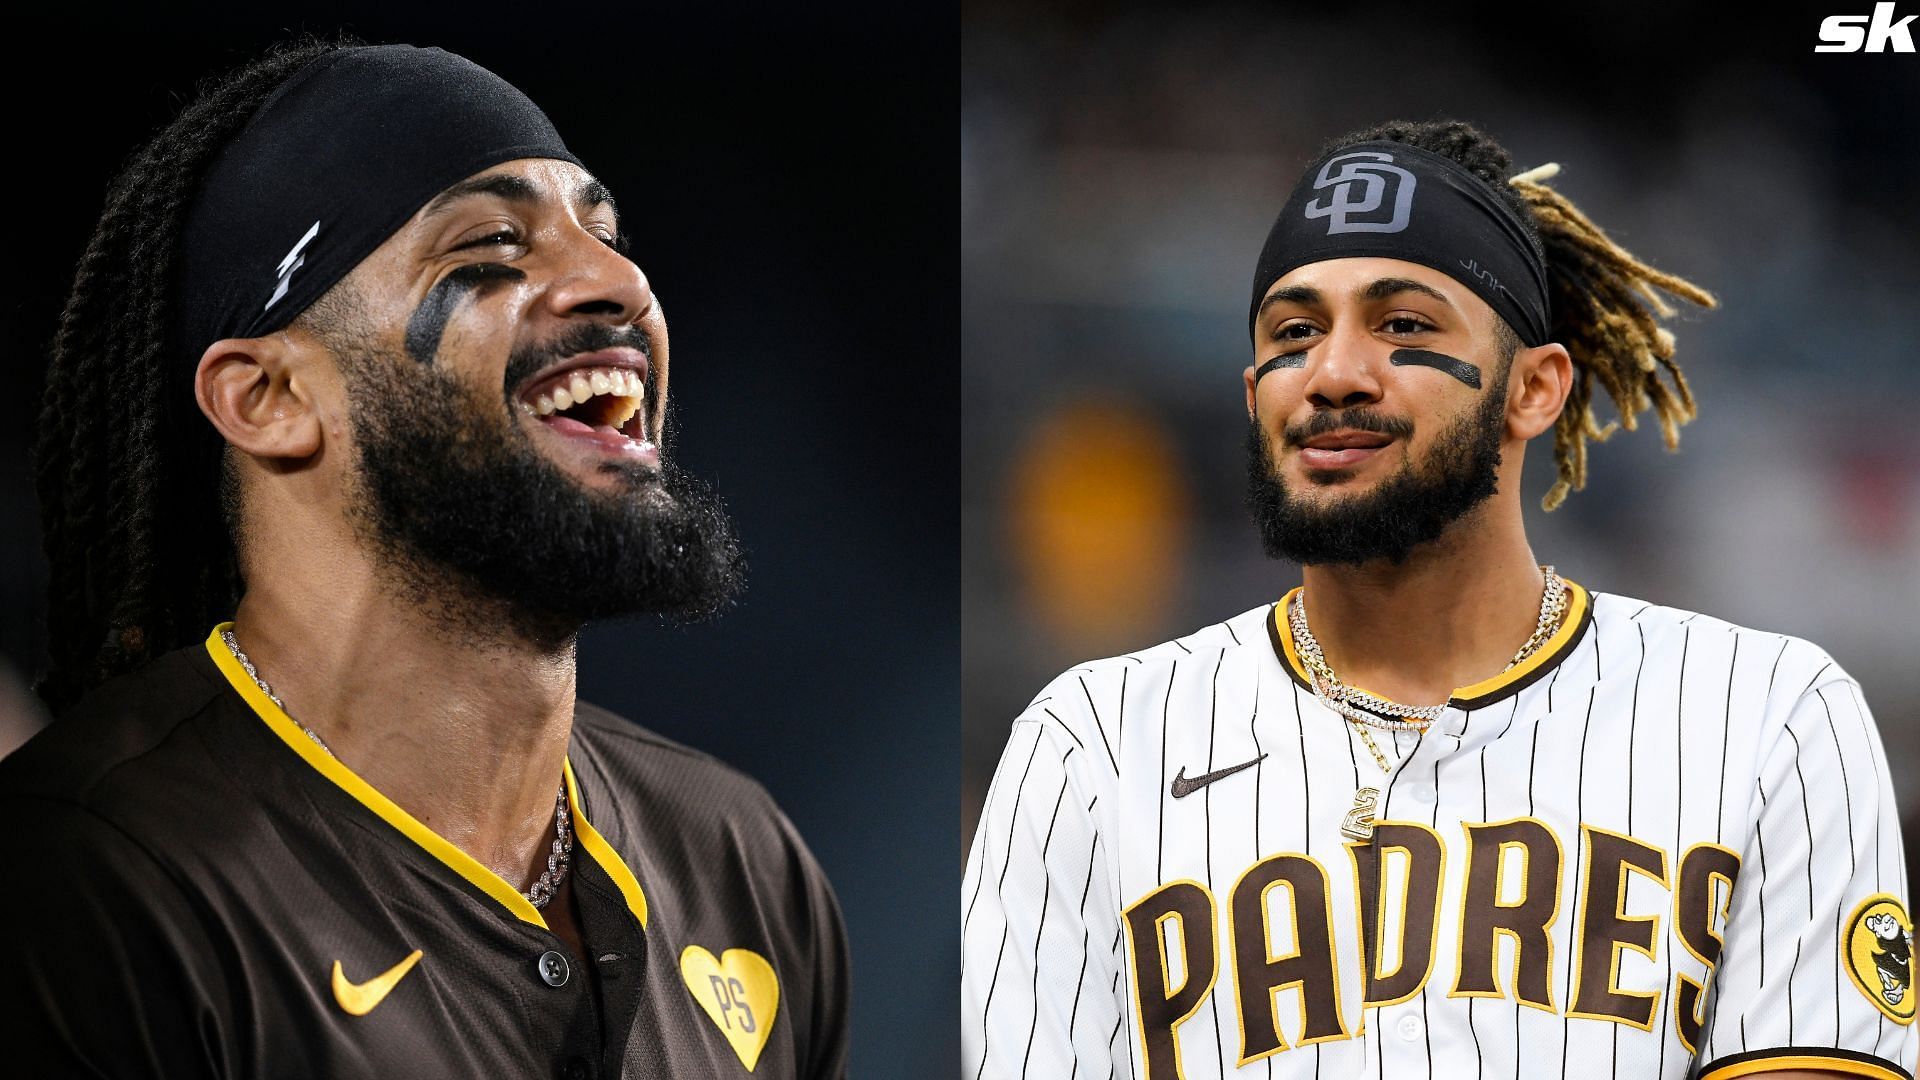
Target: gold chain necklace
1363	710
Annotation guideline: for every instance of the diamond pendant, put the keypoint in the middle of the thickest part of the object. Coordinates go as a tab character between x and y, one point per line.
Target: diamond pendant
1358	824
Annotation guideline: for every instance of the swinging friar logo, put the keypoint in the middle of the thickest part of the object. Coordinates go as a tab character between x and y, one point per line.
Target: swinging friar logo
1845	33
1894	959
1878	953
1366	181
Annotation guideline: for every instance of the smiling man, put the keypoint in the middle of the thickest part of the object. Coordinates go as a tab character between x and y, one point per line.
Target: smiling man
356	415
1559	832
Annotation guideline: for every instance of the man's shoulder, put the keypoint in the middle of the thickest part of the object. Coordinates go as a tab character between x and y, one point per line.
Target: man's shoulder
655	776
129	781
123	725
1077	687
697	832
1789	665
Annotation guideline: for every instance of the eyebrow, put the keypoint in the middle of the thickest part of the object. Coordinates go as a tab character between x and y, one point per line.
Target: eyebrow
1378	289
594	193
515	189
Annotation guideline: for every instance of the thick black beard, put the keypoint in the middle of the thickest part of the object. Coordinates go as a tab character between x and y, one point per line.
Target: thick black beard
1412	507
477	526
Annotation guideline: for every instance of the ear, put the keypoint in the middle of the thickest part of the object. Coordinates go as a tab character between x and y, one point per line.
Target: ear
1247	377
255	391
1537	388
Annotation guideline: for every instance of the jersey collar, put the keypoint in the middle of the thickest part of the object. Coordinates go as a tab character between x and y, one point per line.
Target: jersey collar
1483	693
586	837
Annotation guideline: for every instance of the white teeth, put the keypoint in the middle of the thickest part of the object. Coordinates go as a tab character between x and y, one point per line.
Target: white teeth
582	386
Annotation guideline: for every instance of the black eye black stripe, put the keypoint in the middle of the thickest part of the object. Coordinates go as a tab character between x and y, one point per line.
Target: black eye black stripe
1459	369
429	321
1292	359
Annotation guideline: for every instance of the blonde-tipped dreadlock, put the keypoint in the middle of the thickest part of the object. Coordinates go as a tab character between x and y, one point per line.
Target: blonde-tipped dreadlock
1600	296
1604	301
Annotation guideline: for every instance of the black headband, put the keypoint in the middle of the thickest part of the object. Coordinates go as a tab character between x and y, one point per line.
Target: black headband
1396	201
341	155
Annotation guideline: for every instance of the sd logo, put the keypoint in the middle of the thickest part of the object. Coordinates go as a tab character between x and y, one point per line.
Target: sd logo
1366	182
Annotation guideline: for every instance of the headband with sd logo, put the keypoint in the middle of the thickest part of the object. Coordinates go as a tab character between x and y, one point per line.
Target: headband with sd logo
1395	201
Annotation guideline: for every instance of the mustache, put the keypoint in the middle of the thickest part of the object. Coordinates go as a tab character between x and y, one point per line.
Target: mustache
1355	419
588	337
527	361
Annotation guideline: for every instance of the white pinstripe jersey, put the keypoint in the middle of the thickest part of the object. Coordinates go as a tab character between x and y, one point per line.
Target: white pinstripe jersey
1664	846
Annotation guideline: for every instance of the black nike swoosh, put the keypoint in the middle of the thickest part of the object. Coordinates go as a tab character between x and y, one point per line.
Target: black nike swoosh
1183	787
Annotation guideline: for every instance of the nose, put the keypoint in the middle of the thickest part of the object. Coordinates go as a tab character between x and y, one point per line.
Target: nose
598	282
1342	371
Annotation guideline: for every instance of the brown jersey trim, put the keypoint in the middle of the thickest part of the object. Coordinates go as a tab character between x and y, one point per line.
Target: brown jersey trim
1529	671
433	843
1850	1062
1558	647
1281	634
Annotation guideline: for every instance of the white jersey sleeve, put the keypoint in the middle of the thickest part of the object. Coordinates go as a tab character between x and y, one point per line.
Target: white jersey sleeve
1037	903
1817	968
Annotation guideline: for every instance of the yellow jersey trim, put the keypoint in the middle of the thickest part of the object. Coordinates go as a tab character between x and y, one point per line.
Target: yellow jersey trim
436	845
1849	1066
603	853
1482	693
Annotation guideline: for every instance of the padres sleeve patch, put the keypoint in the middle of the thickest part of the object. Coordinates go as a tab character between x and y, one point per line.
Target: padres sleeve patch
1877	951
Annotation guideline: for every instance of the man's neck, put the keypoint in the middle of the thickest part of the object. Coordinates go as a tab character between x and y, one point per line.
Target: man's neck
465	732
1454	613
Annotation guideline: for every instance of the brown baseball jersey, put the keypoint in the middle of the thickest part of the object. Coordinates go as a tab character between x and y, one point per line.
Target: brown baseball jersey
201	890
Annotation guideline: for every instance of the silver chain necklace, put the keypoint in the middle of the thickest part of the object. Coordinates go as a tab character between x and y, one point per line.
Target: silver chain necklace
1358	705
1364	710
558	859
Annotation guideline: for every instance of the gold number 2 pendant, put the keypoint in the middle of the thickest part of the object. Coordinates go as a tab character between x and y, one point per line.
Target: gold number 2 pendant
1358	824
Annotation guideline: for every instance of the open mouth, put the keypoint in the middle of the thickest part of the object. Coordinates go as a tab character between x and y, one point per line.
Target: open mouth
605	399
598	402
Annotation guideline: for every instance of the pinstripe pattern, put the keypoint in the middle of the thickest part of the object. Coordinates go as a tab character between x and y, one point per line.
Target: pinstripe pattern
1669	729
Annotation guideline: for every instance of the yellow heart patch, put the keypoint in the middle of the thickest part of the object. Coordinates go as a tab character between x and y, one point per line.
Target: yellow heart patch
739	992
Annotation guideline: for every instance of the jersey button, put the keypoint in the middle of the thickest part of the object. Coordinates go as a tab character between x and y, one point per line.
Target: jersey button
553	968
1410	1027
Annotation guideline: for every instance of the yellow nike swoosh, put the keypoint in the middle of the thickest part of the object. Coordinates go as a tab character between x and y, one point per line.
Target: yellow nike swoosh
359	999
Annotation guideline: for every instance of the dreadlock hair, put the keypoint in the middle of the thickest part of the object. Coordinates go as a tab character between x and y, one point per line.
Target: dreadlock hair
137	512
1604	302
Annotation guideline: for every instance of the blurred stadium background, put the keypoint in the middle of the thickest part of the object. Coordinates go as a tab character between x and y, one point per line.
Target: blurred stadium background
778	168
1120	167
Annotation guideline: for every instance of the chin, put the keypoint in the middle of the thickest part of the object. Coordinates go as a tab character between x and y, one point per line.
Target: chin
1351	482
1330	478
631	476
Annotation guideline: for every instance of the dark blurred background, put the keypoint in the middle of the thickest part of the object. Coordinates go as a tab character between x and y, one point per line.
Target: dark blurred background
1120	167
786	174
